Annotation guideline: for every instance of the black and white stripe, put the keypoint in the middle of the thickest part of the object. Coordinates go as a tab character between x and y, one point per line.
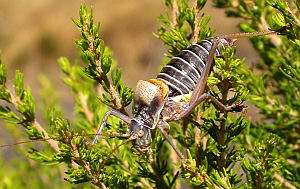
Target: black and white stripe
183	72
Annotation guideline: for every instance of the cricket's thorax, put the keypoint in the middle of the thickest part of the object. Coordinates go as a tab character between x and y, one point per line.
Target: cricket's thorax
174	106
150	97
152	103
144	117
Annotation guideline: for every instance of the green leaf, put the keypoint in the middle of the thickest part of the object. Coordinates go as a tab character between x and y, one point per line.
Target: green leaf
64	65
279	20
19	84
3	75
4	94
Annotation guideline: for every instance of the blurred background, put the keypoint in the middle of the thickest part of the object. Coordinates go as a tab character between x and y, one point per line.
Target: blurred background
34	34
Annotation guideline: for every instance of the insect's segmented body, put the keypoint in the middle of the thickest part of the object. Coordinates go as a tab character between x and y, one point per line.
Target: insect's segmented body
183	72
158	101
176	91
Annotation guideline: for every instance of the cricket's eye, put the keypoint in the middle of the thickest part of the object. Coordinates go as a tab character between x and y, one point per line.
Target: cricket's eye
141	133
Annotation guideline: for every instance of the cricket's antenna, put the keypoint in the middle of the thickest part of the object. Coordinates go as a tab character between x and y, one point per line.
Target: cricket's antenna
250	34
24	142
261	33
113	151
61	137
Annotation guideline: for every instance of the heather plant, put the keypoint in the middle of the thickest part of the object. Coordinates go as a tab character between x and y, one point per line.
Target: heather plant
221	149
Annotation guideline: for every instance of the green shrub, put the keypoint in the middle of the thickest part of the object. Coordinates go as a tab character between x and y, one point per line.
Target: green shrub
220	147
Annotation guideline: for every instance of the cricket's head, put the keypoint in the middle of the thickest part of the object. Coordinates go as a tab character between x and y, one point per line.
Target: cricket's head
141	136
149	100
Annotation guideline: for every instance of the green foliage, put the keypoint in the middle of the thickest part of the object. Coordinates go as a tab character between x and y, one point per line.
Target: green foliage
220	146
98	58
275	93
183	26
265	163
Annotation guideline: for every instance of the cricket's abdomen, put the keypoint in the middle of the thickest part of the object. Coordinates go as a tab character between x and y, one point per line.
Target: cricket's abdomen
183	72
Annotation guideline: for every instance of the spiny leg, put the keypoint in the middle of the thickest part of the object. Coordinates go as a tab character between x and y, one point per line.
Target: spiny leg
186	112
161	127
198	96
105	118
199	88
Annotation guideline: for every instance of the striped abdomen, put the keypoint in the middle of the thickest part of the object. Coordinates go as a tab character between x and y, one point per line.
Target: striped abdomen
183	72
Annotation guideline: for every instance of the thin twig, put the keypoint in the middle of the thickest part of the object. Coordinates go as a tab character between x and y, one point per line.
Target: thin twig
174	14
35	124
78	158
198	146
143	181
53	143
284	182
259	176
196	23
202	175
85	108
157	173
113	92
41	130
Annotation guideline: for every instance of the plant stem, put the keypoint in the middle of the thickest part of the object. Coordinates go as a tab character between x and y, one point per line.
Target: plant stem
222	137
174	14
222	130
113	92
260	173
157	173
86	166
35	124
196	22
85	108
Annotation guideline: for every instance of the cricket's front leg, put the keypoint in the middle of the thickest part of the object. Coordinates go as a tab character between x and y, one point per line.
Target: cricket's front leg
105	118
162	125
